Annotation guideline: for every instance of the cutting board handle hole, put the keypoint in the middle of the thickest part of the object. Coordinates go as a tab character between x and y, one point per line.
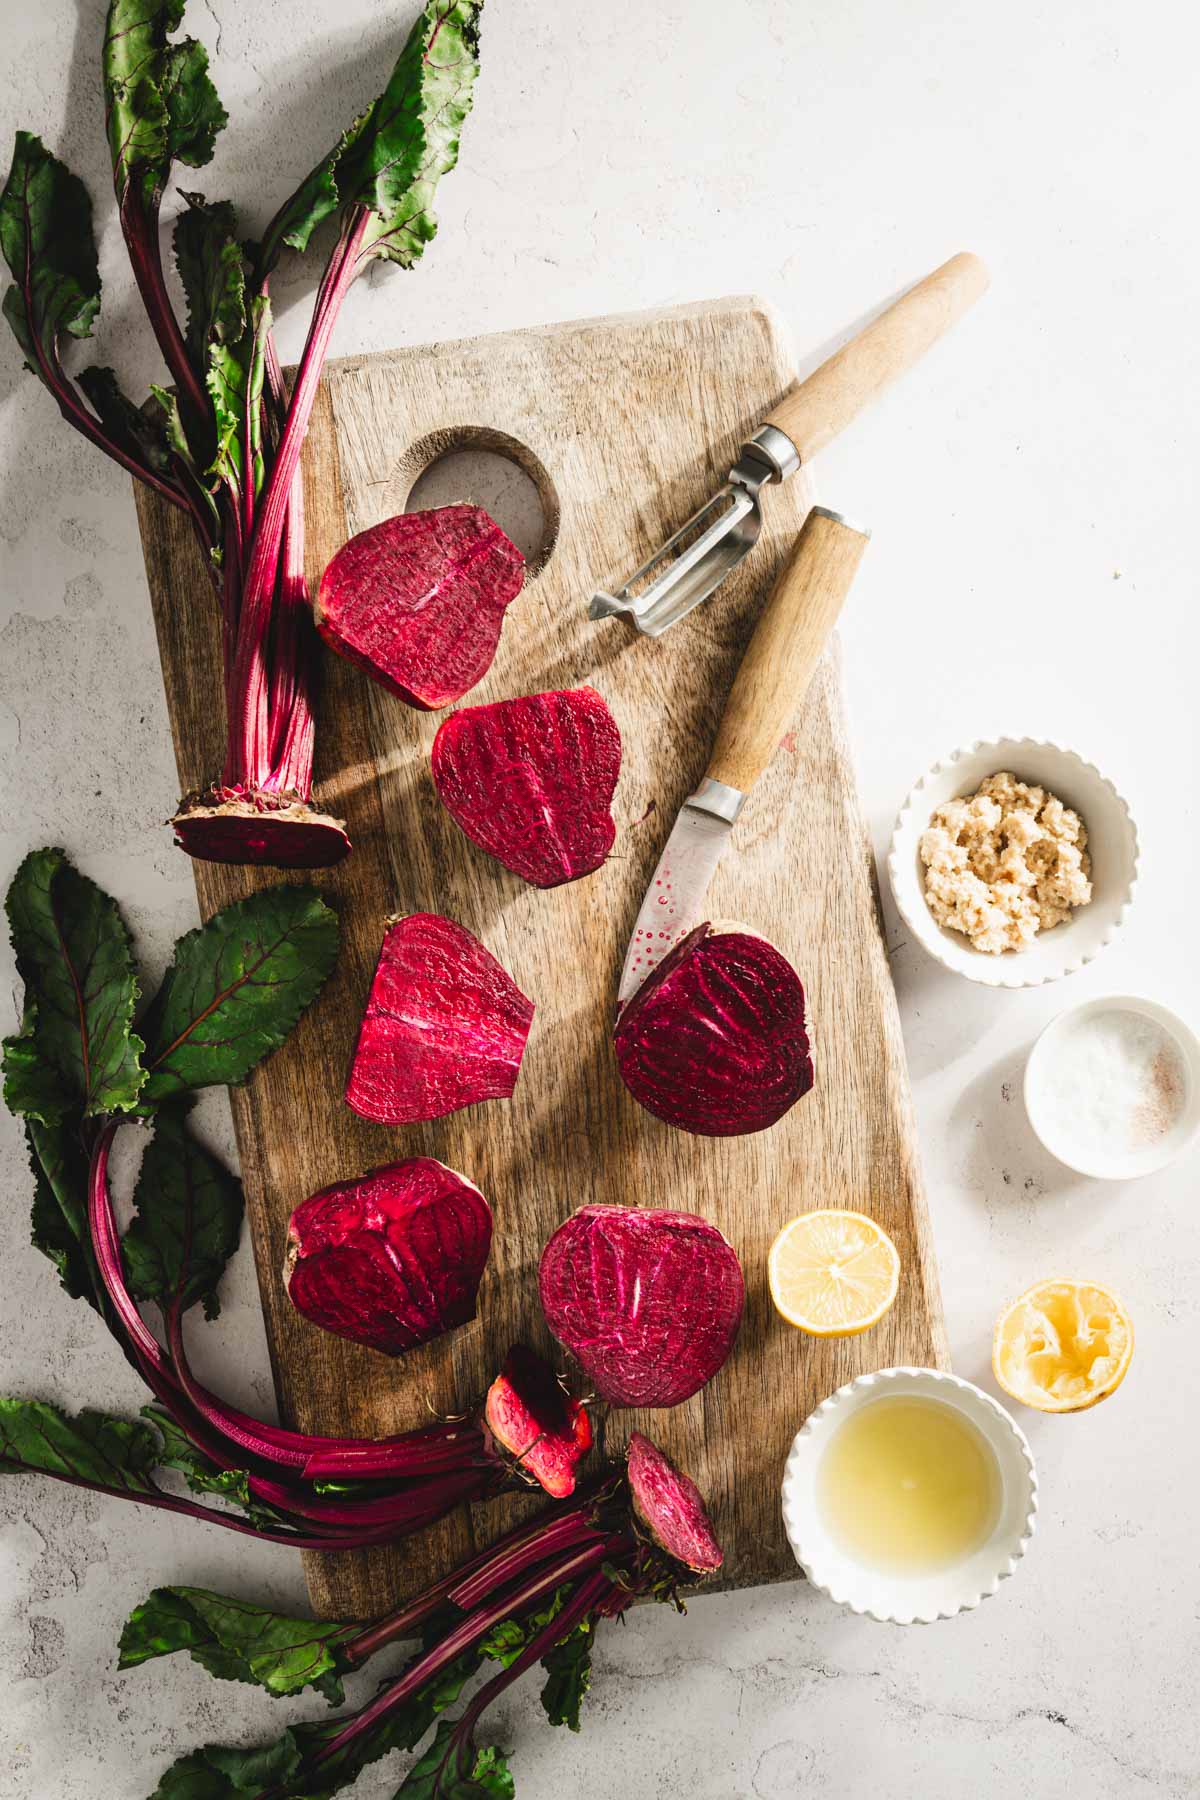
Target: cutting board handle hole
493	470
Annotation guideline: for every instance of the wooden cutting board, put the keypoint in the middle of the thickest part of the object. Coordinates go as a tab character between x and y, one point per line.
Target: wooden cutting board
625	425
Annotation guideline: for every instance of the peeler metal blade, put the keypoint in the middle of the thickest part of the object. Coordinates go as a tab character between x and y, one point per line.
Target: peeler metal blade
698	557
691	563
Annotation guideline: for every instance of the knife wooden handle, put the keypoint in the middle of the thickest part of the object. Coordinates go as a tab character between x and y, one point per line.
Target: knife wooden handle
815	411
788	640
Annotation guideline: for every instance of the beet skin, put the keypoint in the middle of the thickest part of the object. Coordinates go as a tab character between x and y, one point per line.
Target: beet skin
531	781
418	601
536	1423
714	1040
648	1302
391	1260
269	831
445	1026
671	1507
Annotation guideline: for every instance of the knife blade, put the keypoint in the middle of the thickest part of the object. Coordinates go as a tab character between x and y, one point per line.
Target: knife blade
774	675
675	896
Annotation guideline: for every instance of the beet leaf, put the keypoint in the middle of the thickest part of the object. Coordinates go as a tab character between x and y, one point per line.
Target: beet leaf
49	245
568	1676
161	106
222	1772
235	988
237	1642
454	1769
58	1220
203	1476
92	1447
187	1222
391	158
140	431
208	257
76	1050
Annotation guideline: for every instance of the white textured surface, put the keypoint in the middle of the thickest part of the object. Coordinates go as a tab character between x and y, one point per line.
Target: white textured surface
1033	565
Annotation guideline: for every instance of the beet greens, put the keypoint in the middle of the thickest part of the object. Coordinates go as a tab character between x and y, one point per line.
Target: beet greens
222	441
84	1061
537	1595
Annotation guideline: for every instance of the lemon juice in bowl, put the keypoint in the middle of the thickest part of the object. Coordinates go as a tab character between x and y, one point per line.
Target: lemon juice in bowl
909	1485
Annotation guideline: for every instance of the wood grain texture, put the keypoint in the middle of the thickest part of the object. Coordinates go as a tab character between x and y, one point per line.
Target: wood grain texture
625	424
782	656
823	405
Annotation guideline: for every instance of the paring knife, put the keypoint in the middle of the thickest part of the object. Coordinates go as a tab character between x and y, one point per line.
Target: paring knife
774	675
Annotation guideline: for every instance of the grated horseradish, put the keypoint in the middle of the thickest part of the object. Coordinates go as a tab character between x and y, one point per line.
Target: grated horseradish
1005	863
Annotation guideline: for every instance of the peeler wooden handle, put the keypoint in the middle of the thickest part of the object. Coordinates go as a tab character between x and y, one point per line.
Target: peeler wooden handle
815	411
786	647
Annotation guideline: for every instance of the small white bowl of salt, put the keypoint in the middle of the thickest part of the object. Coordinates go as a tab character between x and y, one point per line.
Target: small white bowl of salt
1112	1087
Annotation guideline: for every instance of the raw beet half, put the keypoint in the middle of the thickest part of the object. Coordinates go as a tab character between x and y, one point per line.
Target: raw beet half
393	1259
418	601
648	1302
445	1026
714	1040
536	1422
531	781
671	1507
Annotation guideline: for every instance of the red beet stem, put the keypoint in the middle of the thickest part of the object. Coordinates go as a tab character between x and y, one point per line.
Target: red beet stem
248	754
522	1550
587	1598
156	1370
422	1500
139	226
475	1626
80	416
290	720
527	1546
192	1509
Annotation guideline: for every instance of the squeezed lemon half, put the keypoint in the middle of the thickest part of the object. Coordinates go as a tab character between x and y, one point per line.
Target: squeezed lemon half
1063	1346
833	1273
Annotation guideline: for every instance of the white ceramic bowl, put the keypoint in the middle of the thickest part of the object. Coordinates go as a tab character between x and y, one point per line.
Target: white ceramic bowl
1099	1162
938	1594
1112	845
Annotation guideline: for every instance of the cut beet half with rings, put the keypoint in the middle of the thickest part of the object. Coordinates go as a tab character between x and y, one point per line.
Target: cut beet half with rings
393	1259
714	1040
445	1026
648	1302
531	781
419	601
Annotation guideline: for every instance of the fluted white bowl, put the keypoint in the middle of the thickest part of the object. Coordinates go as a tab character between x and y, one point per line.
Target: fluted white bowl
916	1599
1112	846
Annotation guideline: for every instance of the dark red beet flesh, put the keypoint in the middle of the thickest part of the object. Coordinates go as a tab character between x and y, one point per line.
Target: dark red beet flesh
648	1302
418	601
536	1423
265	831
672	1508
714	1040
531	781
391	1260
445	1026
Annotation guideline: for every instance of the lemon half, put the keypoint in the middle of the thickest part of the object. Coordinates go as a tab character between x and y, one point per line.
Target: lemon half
833	1273
1063	1346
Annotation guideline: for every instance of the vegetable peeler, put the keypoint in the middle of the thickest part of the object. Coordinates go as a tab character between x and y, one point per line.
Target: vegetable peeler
714	540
